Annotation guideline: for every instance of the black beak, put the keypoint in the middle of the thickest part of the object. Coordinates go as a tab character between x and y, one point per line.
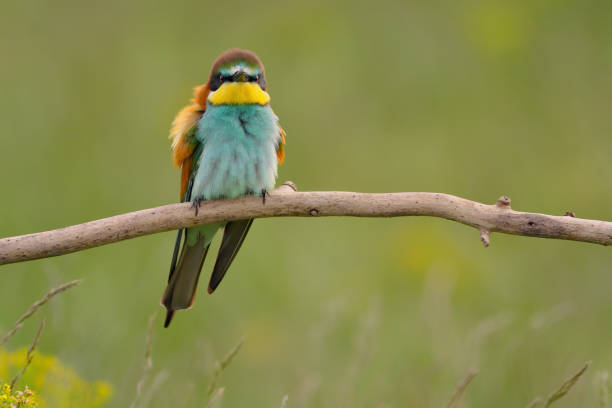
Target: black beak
240	76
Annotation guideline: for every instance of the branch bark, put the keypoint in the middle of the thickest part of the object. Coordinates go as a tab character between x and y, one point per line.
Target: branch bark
285	201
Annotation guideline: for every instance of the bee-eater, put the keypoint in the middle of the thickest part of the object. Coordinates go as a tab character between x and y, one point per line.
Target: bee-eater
228	143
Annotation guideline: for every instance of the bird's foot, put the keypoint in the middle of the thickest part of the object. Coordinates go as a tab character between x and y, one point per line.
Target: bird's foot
264	194
195	204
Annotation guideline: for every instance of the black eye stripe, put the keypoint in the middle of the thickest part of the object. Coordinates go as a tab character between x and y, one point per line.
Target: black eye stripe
215	83
217	80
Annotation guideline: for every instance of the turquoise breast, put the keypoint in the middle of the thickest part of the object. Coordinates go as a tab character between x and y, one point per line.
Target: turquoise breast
239	151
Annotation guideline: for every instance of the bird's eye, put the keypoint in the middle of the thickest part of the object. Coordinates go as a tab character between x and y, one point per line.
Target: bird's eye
215	82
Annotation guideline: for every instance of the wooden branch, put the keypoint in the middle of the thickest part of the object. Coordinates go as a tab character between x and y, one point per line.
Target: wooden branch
286	201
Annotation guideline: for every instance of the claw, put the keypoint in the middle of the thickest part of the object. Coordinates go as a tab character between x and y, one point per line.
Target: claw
264	193
195	204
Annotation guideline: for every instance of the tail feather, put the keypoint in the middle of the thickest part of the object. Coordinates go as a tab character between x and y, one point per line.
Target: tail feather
233	237
169	316
175	253
180	292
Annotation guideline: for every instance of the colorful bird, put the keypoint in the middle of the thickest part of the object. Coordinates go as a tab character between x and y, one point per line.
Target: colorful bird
228	143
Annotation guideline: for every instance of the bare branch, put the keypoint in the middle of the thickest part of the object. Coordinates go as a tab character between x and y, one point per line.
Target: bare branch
285	202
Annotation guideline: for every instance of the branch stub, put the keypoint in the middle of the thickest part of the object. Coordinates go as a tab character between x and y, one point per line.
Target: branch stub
291	185
485	237
503	202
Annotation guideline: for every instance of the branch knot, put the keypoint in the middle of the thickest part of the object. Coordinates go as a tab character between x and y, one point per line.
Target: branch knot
503	202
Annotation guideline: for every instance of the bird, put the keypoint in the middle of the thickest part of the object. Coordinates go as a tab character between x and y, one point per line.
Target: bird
228	143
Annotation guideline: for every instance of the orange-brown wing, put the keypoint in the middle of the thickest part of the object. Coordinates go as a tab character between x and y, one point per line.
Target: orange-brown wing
280	151
183	132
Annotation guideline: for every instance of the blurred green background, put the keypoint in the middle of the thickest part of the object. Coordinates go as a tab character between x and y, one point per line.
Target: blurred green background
473	98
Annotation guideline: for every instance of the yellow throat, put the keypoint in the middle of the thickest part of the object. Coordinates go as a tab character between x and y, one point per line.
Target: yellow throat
239	93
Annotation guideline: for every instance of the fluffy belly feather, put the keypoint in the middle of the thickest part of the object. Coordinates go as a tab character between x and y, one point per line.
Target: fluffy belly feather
239	155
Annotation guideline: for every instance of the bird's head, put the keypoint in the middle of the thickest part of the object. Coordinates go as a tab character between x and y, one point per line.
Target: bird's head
237	78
